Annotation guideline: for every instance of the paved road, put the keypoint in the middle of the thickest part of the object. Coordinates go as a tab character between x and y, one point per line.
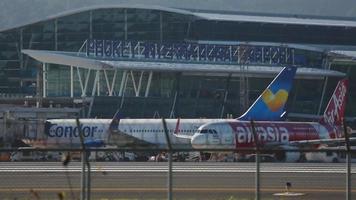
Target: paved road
191	180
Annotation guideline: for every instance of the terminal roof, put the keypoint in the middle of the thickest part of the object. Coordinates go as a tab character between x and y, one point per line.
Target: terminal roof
16	13
80	60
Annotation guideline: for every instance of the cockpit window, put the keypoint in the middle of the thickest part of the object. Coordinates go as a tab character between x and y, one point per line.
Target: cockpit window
204	131
210	131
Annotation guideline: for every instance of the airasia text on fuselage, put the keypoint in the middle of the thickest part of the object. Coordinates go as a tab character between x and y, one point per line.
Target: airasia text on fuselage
244	134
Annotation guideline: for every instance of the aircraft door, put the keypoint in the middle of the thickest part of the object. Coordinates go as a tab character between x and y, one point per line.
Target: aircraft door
226	135
214	136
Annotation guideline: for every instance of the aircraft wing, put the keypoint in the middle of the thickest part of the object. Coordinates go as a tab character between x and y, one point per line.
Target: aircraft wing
42	144
37	143
306	143
335	141
122	139
184	137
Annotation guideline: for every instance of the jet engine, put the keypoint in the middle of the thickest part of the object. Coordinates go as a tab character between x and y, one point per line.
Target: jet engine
287	156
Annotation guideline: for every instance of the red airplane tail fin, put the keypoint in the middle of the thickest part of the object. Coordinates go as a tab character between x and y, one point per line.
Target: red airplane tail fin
335	110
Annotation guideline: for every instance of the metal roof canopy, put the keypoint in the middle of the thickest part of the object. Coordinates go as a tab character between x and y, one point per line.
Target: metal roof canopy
76	59
344	54
16	13
276	20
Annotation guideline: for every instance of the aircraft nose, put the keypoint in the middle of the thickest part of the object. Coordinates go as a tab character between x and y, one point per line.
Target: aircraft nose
47	127
198	141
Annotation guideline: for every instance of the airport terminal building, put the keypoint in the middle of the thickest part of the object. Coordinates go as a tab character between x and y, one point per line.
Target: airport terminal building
174	58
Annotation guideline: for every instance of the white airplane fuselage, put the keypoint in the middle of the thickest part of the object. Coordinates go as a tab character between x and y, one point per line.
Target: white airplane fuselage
65	131
234	134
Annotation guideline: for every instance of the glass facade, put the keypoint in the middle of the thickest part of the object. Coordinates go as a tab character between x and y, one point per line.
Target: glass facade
186	95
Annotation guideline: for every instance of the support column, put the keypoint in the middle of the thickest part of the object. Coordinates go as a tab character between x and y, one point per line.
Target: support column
95	84
243	89
39	82
322	95
133	82
56	34
139	84
86	83
71	82
124	89
174	111
197	97
123	81
225	96
107	82
125	27
80	81
171	115
148	84
44	79
113	83
160	26
137	87
98	82
91	24
328	65
20	49
110	87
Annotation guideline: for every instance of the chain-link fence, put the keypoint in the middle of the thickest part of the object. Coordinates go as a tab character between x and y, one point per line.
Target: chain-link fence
177	174
264	170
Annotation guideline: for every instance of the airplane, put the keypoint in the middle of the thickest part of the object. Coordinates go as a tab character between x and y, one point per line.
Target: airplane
234	134
270	105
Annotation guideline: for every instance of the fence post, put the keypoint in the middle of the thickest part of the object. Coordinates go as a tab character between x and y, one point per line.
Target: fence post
348	162
84	182
257	157
88	178
169	145
82	185
170	184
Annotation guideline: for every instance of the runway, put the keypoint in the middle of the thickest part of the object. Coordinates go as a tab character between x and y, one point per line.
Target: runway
147	180
188	167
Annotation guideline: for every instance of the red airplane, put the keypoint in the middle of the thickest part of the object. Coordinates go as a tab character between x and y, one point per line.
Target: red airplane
234	134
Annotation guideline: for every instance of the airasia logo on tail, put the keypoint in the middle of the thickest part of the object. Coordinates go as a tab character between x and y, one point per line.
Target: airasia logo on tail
336	106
